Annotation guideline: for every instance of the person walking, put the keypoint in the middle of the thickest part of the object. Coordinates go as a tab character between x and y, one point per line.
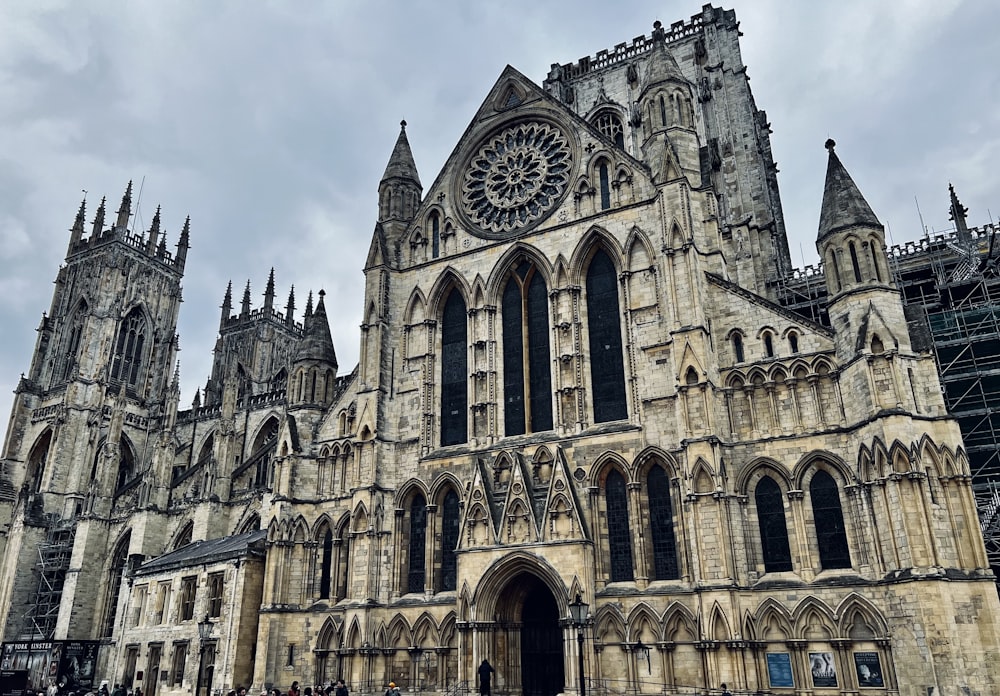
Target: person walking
485	670
393	690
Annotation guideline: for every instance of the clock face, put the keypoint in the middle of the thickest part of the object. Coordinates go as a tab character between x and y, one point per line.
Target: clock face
516	177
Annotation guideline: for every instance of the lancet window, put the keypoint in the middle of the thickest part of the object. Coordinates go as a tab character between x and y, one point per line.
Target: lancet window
607	370
454	371
527	369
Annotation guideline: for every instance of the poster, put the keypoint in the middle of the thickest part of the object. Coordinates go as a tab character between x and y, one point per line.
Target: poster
869	670
823	669
13	682
79	661
779	670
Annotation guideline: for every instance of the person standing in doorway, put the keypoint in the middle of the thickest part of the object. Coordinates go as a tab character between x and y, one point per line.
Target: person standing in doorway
485	670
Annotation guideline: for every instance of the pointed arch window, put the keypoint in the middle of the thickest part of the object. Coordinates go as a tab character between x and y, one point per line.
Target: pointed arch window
610	126
793	342
619	531
449	541
607	369
661	525
828	517
773	530
326	565
855	266
417	538
72	352
126	362
874	257
113	584
126	465
663	112
768	345
454	371
36	461
738	347
526	363
605	183
435	234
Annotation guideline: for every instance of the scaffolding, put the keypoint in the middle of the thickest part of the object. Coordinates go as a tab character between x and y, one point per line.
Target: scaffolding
53	562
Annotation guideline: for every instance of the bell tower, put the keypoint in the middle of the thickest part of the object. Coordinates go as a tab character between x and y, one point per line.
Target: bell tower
87	414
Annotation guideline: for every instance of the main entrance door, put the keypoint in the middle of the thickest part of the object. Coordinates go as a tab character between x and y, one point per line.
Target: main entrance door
529	609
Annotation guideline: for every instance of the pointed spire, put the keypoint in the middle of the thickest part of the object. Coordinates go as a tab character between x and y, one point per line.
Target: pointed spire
98	221
317	343
125	211
154	233
175	382
196	401
663	66
401	164
309	307
76	231
227	304
183	244
843	204
290	307
956	213
245	309
161	248
269	293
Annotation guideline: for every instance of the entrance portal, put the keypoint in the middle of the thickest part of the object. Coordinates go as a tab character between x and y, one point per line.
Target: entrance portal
528	607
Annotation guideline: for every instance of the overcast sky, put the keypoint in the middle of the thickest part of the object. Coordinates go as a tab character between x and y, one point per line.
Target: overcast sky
270	124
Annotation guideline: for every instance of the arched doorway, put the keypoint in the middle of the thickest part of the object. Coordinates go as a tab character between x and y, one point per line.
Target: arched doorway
529	617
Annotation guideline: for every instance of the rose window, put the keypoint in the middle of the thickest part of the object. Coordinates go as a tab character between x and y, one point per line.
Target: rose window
517	176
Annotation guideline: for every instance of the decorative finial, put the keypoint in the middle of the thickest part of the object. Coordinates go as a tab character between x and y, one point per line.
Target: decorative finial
402	124
830	144
657	24
322	292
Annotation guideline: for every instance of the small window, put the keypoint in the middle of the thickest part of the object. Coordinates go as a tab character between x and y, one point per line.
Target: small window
216	583
188	586
768	346
605	186
177	667
854	262
435	234
663	112
874	257
738	348
793	342
610	126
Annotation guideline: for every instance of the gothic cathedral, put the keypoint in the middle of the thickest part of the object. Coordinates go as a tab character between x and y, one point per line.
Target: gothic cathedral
577	390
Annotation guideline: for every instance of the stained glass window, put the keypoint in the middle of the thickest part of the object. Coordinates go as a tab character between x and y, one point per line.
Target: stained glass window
661	525
418	536
527	370
127	358
828	516
607	370
619	532
454	371
773	532
449	541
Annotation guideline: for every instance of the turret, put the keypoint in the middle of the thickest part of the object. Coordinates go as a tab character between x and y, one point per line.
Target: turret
314	365
125	210
290	307
851	241
245	307
670	146
154	233
269	294
95	232
76	231
956	213
399	190
183	244
227	305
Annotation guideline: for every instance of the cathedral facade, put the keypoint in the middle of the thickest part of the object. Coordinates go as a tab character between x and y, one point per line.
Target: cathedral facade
575	385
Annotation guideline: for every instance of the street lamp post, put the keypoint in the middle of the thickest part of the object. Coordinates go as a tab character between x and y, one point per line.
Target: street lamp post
204	631
578	613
